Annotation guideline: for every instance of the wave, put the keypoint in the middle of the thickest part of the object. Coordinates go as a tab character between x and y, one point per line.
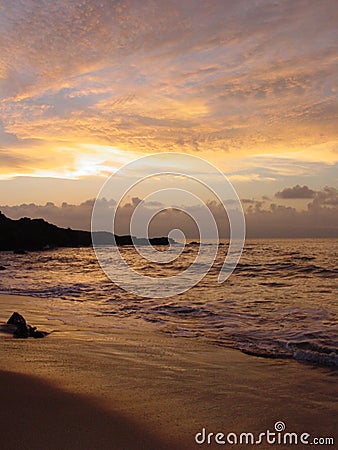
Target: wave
287	269
306	352
69	292
172	309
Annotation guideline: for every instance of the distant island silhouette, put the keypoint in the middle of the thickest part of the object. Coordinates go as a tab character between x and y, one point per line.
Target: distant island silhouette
36	234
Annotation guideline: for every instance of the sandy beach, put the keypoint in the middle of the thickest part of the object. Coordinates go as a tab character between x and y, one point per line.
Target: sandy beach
134	387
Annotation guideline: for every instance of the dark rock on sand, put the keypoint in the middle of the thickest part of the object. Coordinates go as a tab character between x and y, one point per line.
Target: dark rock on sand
23	330
35	333
16	319
2	268
21	326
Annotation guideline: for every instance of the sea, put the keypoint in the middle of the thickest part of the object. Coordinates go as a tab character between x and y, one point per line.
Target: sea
280	301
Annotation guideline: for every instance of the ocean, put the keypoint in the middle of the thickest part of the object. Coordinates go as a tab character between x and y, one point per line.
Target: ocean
280	302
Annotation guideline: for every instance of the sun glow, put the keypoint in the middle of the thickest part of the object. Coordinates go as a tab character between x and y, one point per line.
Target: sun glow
75	162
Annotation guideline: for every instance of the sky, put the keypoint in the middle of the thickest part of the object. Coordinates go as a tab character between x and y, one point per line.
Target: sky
250	86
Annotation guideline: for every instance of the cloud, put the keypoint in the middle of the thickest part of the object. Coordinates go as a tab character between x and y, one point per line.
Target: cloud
12	160
263	219
66	215
296	192
248	177
7	139
248	201
327	197
11	155
319	219
223	77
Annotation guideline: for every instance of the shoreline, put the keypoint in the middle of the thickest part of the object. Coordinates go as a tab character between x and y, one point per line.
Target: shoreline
169	387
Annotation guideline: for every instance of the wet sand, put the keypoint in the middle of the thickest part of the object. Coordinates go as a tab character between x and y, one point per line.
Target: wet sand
132	387
37	415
